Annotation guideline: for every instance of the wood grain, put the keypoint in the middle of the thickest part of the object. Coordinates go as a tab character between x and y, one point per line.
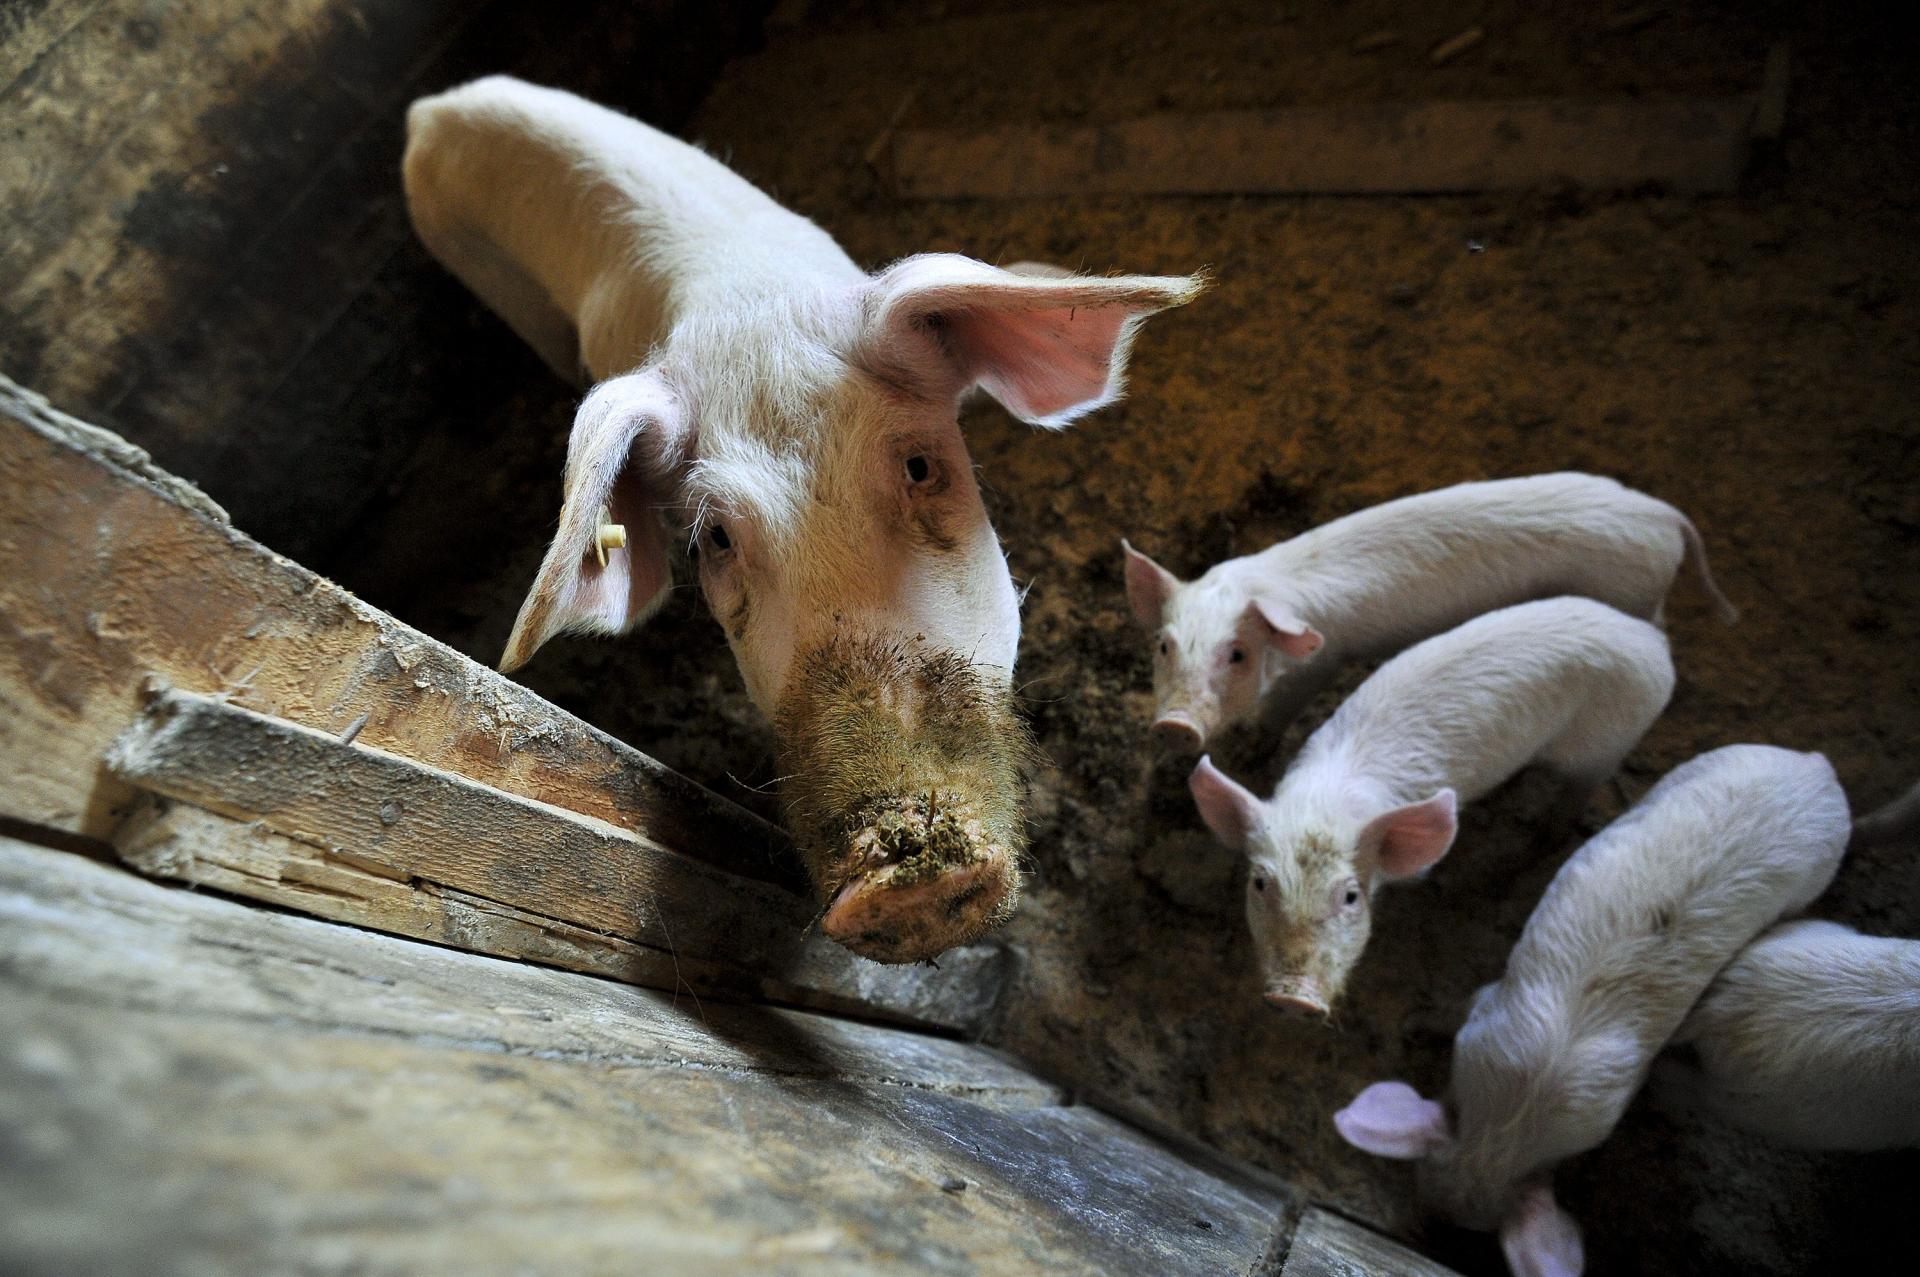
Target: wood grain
189	1085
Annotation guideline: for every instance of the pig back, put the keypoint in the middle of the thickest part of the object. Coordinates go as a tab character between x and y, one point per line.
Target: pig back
1469	708
1811	1036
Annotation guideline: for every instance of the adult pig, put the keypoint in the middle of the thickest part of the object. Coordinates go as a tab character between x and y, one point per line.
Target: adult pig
796	417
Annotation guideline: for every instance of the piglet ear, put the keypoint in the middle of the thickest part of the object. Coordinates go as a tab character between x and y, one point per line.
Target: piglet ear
1226	805
1048	345
1285	630
1413	837
1539	1239
1391	1119
1149	586
607	569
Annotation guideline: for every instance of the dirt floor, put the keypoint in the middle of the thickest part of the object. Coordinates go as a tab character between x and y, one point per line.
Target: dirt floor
1753	359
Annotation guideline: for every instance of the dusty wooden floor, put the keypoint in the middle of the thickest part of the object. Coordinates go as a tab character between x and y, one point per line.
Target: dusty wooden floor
1751	358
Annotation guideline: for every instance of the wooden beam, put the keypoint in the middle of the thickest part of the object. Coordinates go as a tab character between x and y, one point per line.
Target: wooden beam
188	1085
1694	145
1328	1246
112	572
361	835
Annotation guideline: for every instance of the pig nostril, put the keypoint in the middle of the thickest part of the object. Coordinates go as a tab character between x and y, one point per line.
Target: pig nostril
1178	734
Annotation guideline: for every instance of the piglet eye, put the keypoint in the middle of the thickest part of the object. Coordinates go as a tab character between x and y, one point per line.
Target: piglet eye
1259	884
718	535
1237	656
918	469
1163	647
1353	895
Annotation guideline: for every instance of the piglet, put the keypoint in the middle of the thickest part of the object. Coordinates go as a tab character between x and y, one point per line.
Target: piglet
1567	682
1811	1036
1366	586
1628	935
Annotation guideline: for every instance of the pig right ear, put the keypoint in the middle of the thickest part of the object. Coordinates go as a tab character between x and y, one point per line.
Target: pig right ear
1391	1119
1285	630
1413	837
628	439
1149	586
1226	805
1539	1239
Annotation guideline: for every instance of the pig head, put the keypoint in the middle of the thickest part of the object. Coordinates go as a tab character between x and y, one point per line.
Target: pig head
1316	856
802	434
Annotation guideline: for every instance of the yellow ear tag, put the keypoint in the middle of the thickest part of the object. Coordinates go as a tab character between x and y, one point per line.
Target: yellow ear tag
608	536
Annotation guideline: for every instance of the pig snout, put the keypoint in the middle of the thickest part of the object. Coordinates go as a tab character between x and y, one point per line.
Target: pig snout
1299	998
906	775
1179	732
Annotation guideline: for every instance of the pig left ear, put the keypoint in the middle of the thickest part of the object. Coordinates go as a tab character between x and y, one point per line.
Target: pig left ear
1285	630
1391	1119
1539	1239
1413	837
607	568
1049	346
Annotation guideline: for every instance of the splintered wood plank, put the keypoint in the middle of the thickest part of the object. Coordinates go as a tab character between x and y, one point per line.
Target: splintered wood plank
187	1085
373	838
110	572
1696	145
1328	1246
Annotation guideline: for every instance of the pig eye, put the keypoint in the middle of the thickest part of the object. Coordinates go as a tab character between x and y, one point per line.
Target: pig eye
1237	656
1163	647
918	468
718	535
1259	884
1353	895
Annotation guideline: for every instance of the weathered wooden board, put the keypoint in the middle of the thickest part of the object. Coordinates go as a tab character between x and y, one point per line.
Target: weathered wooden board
1327	1245
109	577
187	1085
1428	147
360	835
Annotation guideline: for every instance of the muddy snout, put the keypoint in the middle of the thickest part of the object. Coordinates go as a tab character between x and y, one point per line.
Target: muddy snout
906	784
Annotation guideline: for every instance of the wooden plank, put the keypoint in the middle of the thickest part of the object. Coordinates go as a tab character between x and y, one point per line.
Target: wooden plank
368	837
1327	1245
187	1085
74	929
109	575
1695	145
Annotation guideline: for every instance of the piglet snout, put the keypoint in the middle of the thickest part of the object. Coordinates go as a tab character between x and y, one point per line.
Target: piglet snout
1178	732
1299	1000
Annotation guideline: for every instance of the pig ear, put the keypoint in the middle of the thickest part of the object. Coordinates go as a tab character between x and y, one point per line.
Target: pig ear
1539	1239
628	438
1391	1119
1225	804
1149	586
1285	630
1413	837
1049	346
